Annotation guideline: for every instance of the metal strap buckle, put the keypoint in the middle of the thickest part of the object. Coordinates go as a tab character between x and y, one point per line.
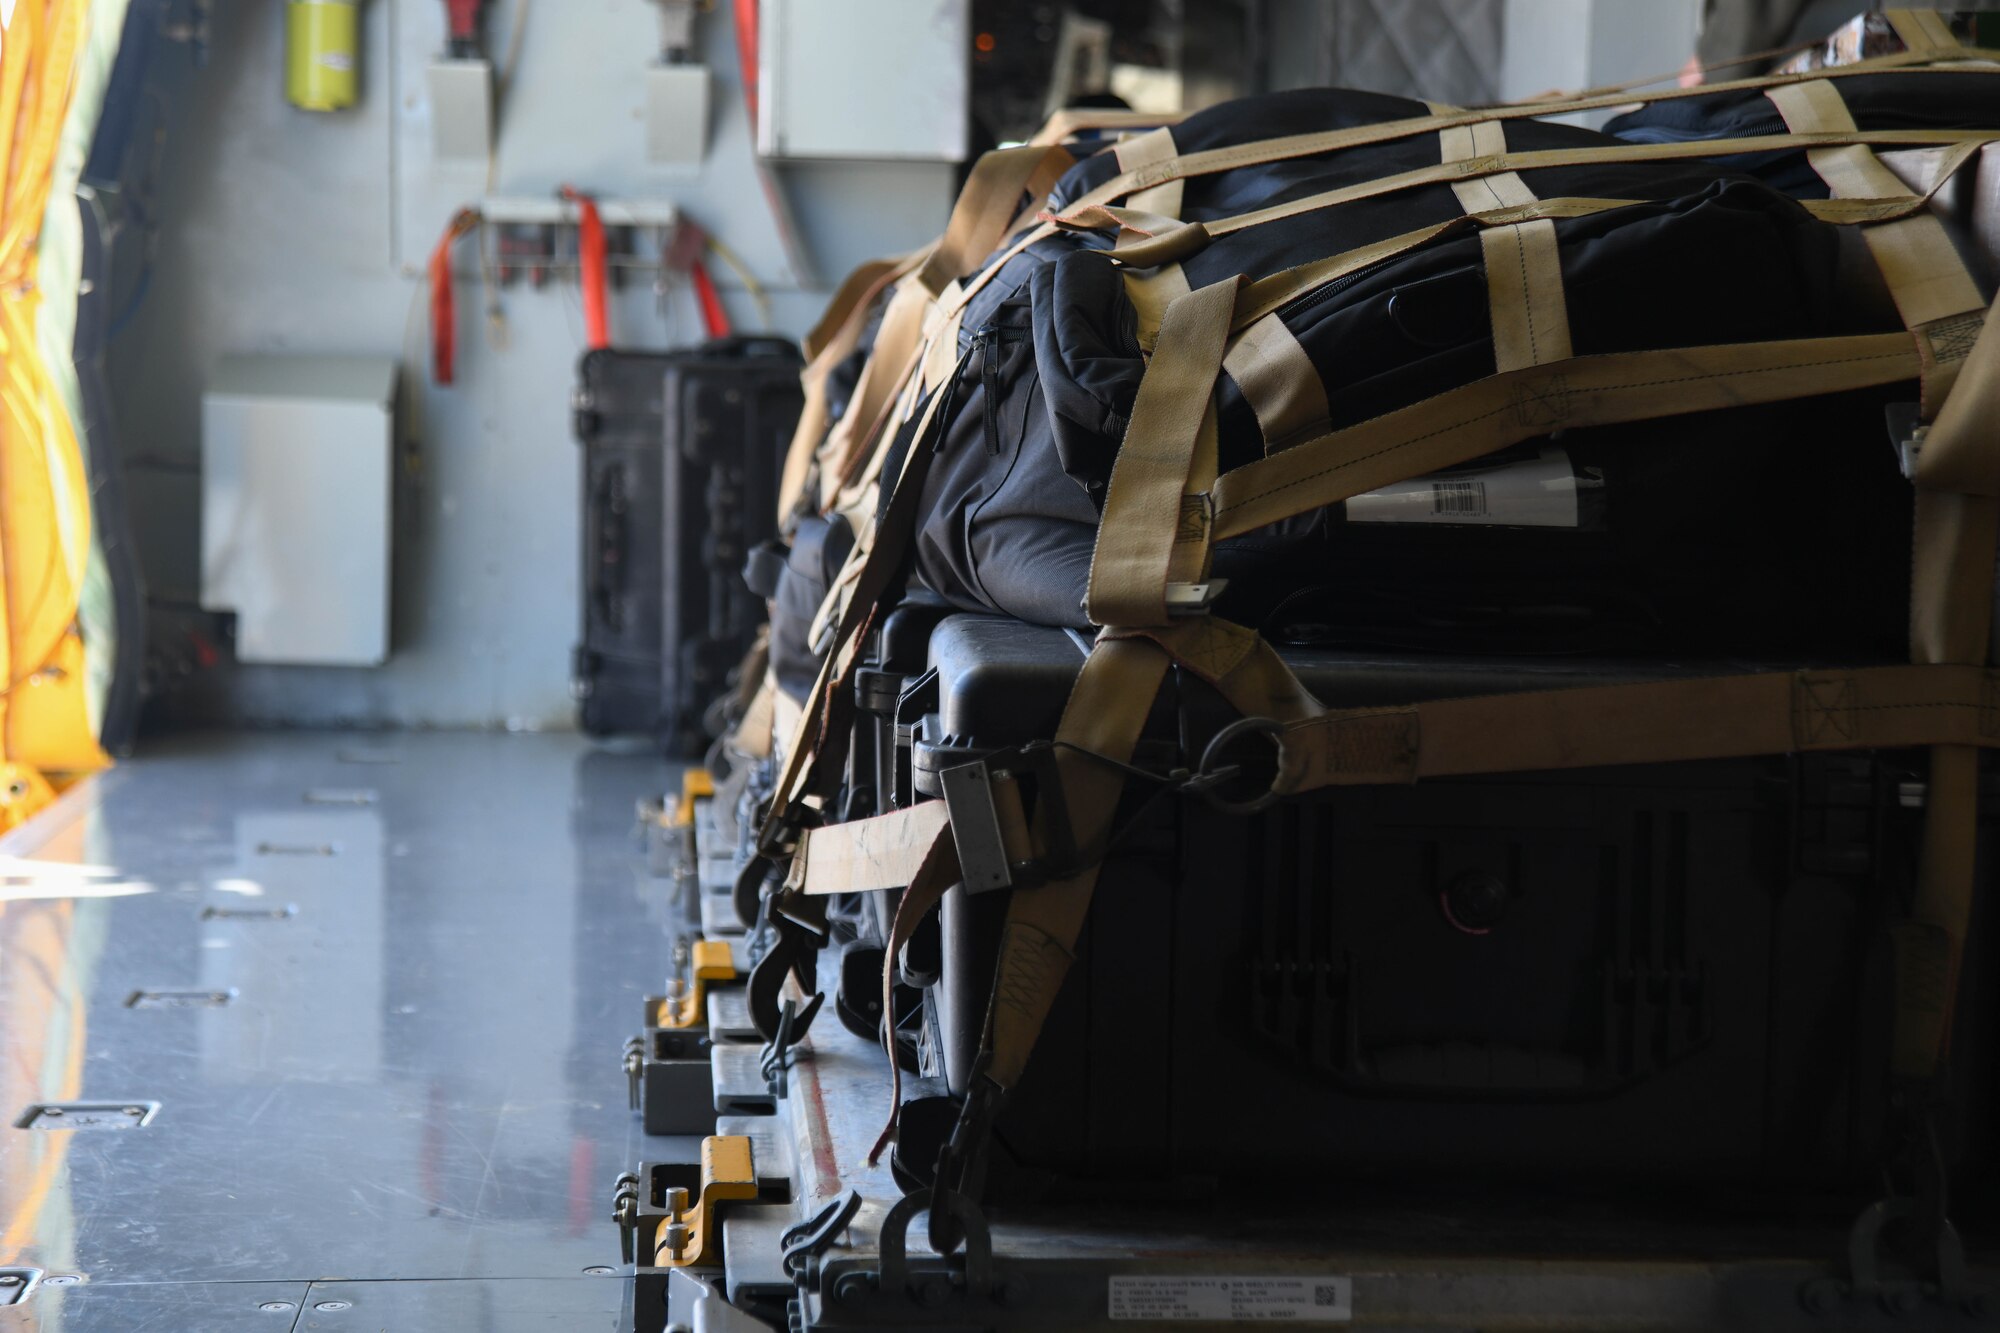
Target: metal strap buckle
1187	600
983	860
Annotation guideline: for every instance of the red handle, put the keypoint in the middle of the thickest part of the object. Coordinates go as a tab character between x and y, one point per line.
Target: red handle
591	254
463	17
746	56
714	318
444	308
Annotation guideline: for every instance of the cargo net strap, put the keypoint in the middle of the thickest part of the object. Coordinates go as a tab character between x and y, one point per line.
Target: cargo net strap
1153	526
917	343
1165	509
1211	161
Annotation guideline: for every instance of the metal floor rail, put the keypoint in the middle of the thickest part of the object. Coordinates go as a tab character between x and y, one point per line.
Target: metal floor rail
779	1221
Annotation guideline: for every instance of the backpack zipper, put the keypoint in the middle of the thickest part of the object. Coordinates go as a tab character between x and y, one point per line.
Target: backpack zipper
1322	293
984	340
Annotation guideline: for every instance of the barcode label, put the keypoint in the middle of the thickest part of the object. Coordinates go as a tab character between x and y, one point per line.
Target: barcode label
1459	499
1540	492
1324	1299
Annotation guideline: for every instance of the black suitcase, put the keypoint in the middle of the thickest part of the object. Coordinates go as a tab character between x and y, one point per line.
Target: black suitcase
1670	974
731	408
682	452
619	414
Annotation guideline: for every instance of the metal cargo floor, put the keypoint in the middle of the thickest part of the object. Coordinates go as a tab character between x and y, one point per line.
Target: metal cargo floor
376	987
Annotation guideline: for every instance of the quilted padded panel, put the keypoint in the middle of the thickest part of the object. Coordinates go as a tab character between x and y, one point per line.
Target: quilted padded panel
1444	50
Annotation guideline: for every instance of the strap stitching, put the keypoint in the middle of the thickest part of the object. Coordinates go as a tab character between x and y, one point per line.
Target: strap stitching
1520	243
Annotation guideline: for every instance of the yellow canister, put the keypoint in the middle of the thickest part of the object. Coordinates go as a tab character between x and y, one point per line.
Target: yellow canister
322	53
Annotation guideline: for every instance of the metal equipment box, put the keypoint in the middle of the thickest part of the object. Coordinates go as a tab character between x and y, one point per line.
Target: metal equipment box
869	79
295	506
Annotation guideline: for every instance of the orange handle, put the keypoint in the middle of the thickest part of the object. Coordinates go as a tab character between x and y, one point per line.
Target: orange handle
591	252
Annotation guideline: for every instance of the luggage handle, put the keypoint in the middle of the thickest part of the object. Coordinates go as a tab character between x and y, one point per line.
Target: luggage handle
613	548
1567	1076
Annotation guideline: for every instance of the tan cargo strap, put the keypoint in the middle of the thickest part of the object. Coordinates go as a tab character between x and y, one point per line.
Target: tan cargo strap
1527	310
1469	143
866	576
1925	32
1952	570
1937	298
989	202
1164	199
1190	237
1958	453
1268	294
832	341
979	222
1593	726
1105	715
1655	722
1957	526
1151	291
1491	414
936	871
890	362
1279	149
1122	675
1278	380
851	299
1327	141
1147	508
1284	388
864	855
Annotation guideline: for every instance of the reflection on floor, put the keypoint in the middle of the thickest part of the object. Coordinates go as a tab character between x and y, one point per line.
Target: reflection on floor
340	1010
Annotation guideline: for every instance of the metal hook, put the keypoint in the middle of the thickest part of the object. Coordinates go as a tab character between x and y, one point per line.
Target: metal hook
894	1240
815	1235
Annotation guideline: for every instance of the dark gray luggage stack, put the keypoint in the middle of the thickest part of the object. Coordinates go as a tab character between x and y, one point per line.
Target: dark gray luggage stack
1673	975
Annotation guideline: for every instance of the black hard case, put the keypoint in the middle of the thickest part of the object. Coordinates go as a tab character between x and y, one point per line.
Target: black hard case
682	455
1677	973
619	411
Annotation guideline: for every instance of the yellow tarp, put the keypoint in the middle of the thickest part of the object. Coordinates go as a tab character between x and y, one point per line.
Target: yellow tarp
46	738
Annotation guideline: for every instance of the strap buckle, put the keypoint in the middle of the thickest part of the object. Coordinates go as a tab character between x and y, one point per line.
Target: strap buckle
1188	600
1907	433
974	814
973	811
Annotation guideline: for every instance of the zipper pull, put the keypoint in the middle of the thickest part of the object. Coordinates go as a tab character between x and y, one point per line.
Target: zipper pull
989	383
941	424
